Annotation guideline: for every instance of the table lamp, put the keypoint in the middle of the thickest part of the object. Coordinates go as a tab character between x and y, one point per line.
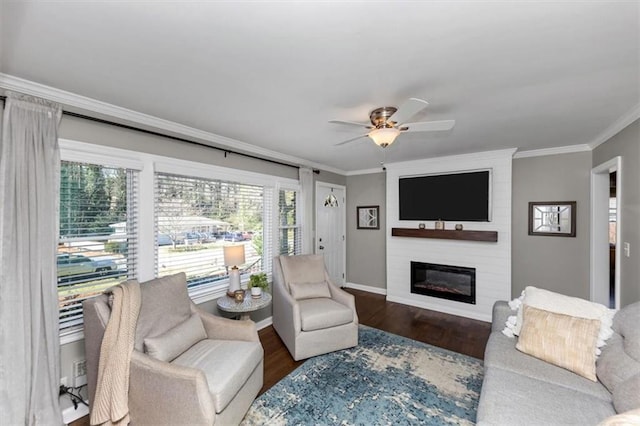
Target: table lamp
233	256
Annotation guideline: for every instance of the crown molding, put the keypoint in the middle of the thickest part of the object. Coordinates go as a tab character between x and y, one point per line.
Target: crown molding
474	156
632	115
90	105
365	171
569	149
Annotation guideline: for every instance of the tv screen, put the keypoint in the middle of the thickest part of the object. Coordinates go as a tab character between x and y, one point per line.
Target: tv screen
448	197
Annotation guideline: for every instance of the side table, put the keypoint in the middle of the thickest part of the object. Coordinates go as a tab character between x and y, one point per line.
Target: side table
242	310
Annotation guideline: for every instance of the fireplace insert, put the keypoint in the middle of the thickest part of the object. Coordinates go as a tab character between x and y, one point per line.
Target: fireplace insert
456	283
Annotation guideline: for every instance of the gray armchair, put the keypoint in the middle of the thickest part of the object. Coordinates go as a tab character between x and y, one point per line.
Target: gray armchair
188	366
311	314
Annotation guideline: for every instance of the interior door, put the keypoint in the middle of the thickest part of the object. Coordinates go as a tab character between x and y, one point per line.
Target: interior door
331	229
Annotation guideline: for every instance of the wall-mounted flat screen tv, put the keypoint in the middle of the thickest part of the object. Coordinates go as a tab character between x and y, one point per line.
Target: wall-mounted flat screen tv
464	196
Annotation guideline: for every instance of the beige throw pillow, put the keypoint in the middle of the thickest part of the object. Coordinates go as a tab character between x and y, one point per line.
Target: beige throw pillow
566	341
573	306
301	291
174	342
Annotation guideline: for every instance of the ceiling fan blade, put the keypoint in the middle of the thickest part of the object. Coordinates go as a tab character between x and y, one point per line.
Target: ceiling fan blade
352	139
351	123
430	126
408	109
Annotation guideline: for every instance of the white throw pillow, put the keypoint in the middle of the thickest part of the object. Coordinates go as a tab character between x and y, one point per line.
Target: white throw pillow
171	344
567	305
300	291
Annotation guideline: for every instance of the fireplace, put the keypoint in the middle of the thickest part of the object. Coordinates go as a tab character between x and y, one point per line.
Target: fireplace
447	282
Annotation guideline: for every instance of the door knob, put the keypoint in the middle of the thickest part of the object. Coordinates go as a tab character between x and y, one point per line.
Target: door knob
321	247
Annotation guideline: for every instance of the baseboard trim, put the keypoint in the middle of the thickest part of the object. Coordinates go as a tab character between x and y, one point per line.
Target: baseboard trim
69	412
264	323
367	288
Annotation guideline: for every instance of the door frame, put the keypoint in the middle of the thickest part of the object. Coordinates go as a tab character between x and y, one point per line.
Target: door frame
599	265
344	223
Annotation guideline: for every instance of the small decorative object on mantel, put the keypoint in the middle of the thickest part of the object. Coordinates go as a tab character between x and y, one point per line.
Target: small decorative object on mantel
421	226
439	224
459	227
239	296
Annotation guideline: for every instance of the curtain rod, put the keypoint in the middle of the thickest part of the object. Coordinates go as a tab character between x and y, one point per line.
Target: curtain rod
176	138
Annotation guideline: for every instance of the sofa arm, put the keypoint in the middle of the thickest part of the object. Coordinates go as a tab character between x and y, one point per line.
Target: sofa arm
219	328
501	311
183	392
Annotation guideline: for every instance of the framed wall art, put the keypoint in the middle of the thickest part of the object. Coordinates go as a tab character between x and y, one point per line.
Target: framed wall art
368	217
552	218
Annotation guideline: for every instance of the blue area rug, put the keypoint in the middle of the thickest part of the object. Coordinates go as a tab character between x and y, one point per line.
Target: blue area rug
385	380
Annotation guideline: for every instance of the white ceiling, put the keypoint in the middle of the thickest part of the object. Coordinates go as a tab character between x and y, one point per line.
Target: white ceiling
530	75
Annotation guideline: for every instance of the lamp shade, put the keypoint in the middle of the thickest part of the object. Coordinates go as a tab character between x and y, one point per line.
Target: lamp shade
384	136
234	255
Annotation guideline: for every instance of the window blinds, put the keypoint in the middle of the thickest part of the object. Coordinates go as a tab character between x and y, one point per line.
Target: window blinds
97	247
197	217
289	231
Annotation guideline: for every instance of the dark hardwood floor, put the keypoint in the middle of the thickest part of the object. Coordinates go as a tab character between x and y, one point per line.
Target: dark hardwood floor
451	332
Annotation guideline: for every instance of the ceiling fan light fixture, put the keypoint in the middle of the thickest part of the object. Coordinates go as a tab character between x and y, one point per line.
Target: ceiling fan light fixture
384	136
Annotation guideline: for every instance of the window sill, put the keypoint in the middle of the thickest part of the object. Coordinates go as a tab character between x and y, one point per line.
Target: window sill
71	336
206	294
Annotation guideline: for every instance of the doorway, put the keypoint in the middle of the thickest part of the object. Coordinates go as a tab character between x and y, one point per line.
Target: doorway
606	224
613	236
331	229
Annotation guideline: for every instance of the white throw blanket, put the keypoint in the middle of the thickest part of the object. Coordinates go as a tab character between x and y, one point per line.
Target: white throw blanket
110	405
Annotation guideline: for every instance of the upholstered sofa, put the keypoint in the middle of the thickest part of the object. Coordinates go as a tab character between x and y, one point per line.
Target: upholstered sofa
519	389
210	379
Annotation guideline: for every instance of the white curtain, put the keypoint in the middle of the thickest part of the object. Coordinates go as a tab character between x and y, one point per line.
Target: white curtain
29	342
306	192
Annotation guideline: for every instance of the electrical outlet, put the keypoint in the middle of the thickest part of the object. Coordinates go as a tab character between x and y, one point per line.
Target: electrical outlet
627	249
80	368
79	373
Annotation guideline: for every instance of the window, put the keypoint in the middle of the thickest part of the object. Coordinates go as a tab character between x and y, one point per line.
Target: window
289	232
97	243
197	217
126	214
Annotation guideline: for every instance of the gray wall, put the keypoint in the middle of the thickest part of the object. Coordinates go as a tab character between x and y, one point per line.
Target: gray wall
627	145
82	130
558	264
366	249
328	177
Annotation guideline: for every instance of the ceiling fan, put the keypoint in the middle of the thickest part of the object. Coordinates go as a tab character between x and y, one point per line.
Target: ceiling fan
388	122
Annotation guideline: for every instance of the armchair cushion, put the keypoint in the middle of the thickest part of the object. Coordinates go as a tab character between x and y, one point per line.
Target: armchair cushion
308	268
226	364
300	291
172	343
316	314
165	304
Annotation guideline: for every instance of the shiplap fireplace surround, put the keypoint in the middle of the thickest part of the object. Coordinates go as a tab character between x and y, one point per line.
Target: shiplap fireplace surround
492	260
